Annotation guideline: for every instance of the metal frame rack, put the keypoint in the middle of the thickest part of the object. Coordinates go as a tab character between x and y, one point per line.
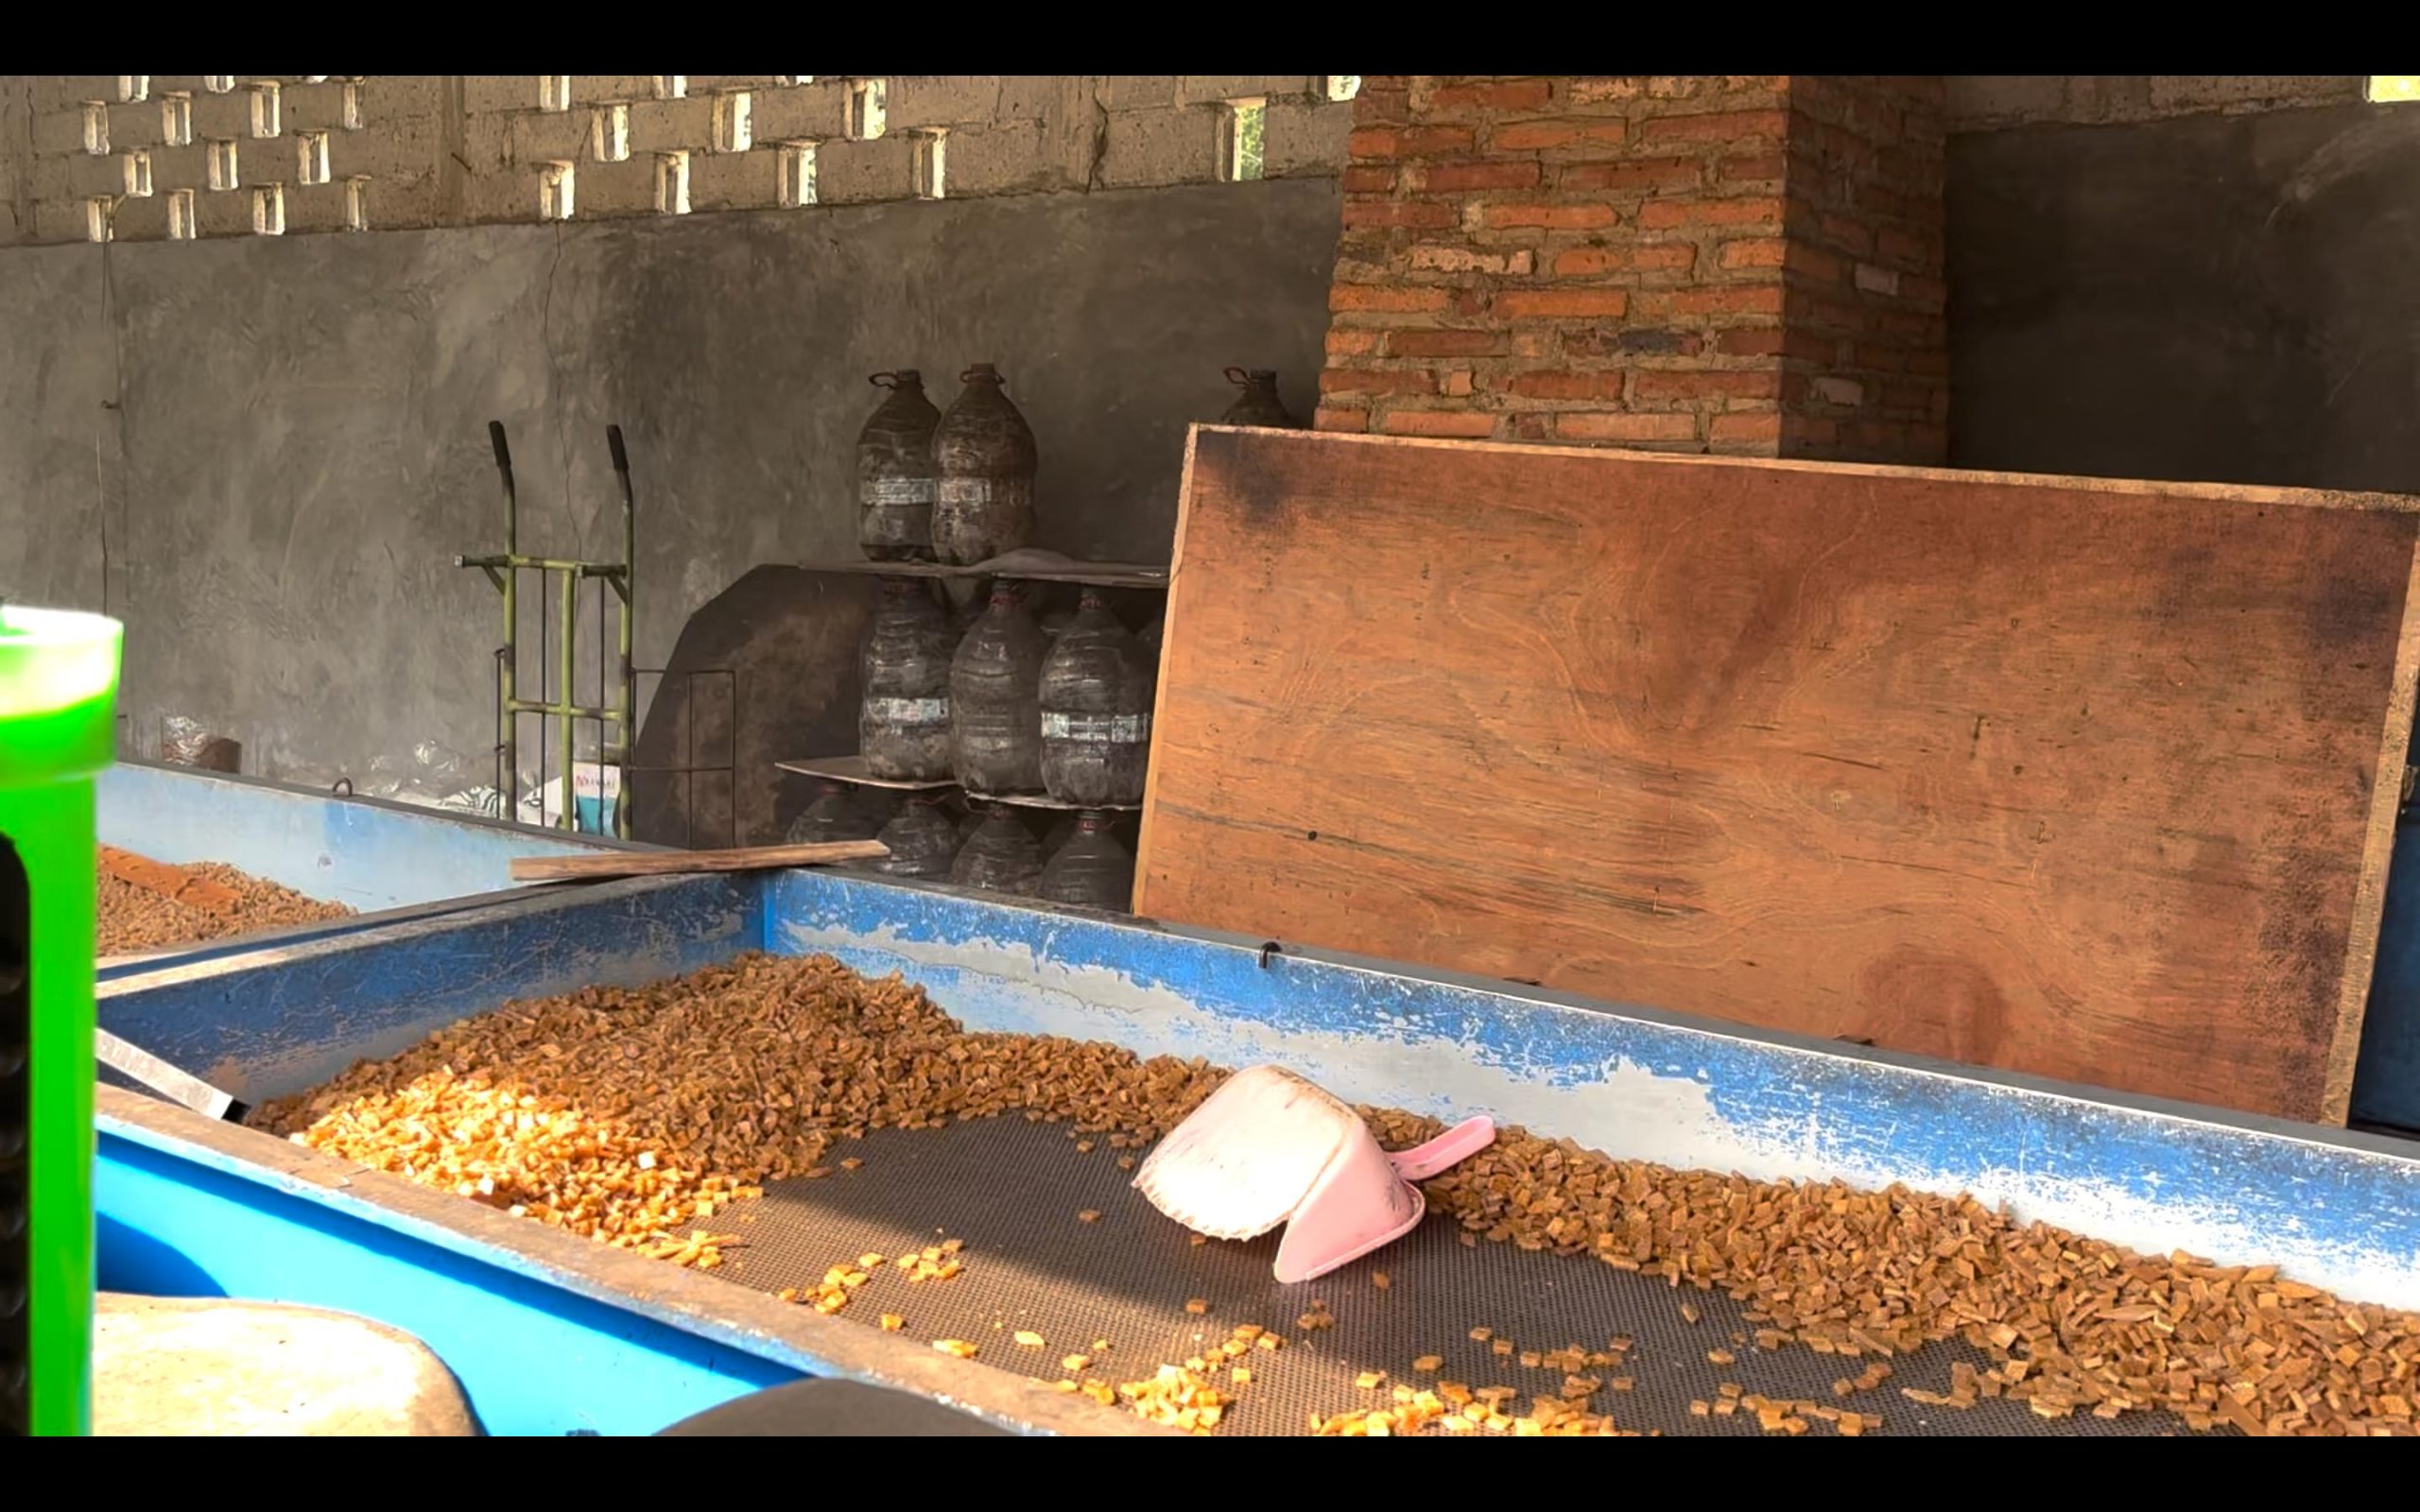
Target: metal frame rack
564	576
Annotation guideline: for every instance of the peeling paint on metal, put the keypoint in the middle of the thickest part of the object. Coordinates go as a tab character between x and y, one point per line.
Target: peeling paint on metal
387	861
2337	1210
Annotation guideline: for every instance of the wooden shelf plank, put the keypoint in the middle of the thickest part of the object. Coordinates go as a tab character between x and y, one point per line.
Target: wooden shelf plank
853	770
1043	801
1036	566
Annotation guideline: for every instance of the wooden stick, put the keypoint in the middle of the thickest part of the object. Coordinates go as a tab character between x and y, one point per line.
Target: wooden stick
679	863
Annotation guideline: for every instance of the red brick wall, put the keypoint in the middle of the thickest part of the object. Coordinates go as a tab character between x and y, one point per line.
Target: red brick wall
1866	363
1642	261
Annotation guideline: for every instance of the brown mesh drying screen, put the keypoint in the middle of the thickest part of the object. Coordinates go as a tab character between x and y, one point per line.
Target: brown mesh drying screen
1012	1191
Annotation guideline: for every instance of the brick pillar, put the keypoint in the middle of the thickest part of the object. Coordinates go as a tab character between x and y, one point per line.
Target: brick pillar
1731	264
1865	360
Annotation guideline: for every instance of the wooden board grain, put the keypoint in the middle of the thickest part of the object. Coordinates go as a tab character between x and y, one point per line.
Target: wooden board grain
617	865
2070	777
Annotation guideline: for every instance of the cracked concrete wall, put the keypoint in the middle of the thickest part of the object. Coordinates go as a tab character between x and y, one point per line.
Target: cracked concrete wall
277	444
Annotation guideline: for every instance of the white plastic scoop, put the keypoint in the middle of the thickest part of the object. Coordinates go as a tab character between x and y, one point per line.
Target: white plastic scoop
1270	1148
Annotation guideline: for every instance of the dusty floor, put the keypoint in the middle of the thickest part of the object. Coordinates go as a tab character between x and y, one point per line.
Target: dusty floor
796	1128
150	906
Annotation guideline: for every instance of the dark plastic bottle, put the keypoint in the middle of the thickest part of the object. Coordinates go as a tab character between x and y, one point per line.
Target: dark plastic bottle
1150	642
994	723
1258	404
1092	870
879	806
963	613
923	841
1095	703
1057	835
902	719
833	816
896	479
999	856
969	823
984	454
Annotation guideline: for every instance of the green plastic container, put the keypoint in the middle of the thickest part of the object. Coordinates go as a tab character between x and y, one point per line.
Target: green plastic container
57	701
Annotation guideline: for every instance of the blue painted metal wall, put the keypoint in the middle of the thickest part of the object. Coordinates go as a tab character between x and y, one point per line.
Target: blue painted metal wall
2341	1210
534	1354
376	856
273	1021
2386	1082
366	853
371	855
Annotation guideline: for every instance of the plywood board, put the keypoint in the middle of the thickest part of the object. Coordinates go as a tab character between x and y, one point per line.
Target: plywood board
2068	776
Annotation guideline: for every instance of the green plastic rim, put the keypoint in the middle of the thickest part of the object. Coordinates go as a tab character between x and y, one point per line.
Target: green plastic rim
59	676
57	693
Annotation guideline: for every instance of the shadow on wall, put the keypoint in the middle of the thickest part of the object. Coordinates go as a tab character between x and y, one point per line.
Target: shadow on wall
2211	298
765	672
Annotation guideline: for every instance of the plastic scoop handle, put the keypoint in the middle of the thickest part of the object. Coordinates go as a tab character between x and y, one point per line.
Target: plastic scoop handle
1446	1151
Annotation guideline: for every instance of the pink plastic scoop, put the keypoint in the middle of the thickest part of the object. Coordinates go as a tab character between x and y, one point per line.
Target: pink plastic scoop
1269	1147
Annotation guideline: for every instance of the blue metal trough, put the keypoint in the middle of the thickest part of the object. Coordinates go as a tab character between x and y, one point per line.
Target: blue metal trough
391	862
2386	1079
387	861
552	1333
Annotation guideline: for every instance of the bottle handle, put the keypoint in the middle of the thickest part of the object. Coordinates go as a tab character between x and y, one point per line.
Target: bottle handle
1238	377
878	380
1446	1151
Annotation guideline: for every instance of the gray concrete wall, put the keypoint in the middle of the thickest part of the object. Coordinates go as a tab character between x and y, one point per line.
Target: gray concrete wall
1990	101
278	444
2212	297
